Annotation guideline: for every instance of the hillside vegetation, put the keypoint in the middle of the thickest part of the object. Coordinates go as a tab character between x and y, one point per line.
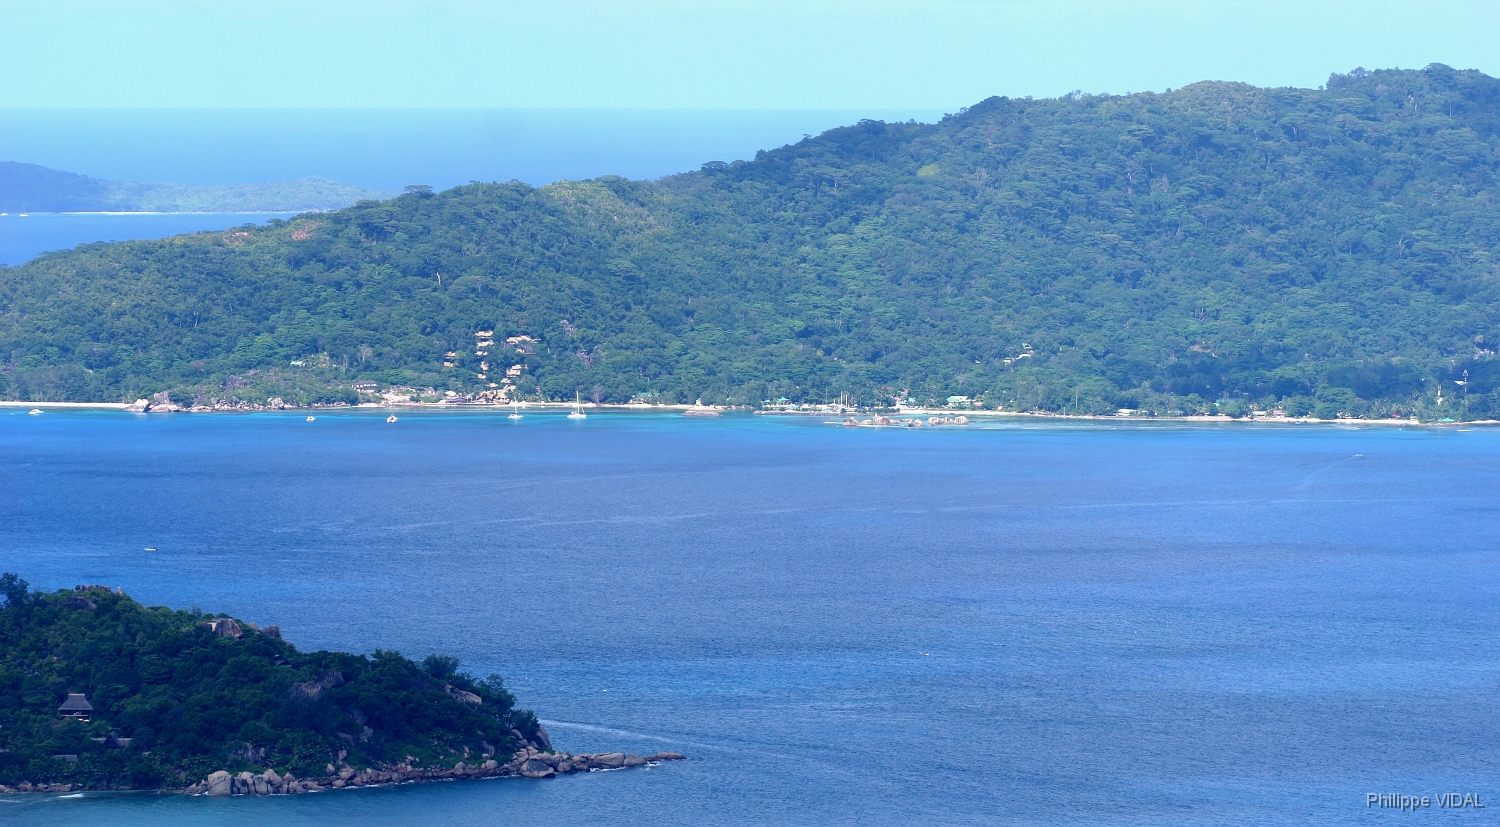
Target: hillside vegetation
192	693
1217	247
32	188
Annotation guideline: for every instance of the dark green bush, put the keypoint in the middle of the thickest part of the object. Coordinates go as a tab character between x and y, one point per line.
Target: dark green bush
194	701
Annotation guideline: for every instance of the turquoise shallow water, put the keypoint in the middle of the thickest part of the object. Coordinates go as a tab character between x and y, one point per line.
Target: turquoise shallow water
1026	623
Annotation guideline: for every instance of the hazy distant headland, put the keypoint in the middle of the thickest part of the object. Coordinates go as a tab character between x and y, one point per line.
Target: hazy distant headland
386	149
33	188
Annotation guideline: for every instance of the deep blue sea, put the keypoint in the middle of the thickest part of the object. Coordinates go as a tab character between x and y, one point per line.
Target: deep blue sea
1019	623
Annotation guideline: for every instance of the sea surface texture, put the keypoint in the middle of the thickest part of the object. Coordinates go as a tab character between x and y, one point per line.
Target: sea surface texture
1020	623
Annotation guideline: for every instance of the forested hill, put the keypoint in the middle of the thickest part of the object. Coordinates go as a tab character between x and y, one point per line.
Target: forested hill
169	696
1334	250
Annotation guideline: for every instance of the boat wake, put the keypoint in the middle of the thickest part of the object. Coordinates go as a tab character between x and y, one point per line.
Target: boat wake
550	724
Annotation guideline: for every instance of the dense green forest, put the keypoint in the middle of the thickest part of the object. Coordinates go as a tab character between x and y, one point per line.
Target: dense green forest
194	693
32	188
1216	247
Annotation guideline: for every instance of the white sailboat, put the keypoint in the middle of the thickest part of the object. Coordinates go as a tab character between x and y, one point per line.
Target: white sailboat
577	409
391	418
515	413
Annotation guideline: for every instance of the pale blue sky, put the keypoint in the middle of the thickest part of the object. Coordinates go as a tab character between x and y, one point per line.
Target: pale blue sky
698	54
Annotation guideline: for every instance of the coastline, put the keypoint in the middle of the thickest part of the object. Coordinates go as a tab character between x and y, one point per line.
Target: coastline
1219	419
680	408
439	406
527	763
111	406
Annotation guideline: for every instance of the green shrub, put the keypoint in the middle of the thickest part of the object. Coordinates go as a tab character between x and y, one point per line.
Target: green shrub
194	701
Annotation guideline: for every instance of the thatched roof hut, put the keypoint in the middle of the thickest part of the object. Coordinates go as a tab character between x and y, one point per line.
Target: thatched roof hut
76	706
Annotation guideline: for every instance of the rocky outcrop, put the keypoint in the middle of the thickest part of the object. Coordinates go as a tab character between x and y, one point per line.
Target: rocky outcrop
312	689
537	768
459	694
28	787
218	783
223	627
162	403
528	763
158	403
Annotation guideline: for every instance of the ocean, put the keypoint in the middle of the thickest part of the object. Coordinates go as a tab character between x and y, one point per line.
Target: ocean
386	149
1021	622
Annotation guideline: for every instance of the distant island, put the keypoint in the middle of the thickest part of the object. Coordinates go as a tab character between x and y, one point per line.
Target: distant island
99	692
26	188
1219	249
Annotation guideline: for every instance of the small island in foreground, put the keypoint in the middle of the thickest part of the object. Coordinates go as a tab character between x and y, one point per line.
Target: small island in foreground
98	692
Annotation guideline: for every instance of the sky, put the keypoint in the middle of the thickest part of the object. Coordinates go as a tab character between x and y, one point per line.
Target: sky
697	54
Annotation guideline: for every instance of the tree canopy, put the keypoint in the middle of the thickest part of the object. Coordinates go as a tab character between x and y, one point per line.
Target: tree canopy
1214	247
194	693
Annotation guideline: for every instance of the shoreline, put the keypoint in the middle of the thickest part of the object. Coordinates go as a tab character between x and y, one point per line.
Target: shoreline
1205	419
112	406
529	762
682	408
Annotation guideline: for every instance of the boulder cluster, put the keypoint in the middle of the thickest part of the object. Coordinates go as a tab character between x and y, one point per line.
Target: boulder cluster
28	787
528	763
162	403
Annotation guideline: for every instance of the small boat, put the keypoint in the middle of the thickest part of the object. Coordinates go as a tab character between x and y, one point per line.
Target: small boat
514	413
311	418
34	411
577	409
151	548
391	418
